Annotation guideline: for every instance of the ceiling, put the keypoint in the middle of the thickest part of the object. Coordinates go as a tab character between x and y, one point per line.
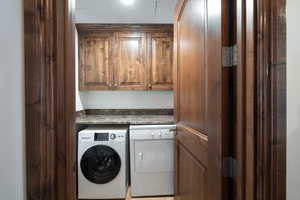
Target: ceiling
113	11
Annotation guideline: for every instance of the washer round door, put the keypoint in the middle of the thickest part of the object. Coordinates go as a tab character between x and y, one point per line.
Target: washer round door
100	164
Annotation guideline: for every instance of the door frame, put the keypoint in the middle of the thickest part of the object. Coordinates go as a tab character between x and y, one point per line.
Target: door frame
261	100
50	99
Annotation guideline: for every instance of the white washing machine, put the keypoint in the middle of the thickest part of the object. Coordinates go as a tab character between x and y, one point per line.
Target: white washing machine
102	163
152	160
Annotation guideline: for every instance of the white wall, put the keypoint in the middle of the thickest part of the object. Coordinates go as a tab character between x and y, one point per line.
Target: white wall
293	101
79	105
113	11
126	99
11	101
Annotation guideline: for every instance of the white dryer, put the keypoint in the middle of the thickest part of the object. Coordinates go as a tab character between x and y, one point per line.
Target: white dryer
152	160
102	163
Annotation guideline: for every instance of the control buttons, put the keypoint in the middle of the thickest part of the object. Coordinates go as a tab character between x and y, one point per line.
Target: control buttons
156	134
112	136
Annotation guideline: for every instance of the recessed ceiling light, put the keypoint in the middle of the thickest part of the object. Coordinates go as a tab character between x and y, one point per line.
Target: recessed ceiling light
127	2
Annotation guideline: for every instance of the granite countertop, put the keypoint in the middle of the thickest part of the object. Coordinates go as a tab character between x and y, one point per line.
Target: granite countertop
125	119
134	117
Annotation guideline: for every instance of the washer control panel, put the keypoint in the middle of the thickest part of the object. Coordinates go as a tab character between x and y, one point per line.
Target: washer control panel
101	137
97	136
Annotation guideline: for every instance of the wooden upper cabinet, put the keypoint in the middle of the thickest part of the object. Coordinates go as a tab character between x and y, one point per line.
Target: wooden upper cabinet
95	62
126	57
131	65
161	59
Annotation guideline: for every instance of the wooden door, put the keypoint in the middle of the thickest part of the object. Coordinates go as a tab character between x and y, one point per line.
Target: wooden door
131	66
161	59
95	62
201	104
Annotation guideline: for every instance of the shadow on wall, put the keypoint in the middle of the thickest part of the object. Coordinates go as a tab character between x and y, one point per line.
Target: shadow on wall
293	160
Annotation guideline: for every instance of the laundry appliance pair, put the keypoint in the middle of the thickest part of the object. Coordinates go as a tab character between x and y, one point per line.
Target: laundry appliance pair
106	156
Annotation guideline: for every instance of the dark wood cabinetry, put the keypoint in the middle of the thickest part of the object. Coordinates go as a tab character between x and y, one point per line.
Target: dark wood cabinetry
126	57
161	59
131	66
95	62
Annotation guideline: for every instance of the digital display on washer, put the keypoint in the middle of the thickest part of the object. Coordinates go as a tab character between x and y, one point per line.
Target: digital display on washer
101	136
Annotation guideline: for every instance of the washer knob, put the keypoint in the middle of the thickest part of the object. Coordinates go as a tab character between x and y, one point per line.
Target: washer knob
113	136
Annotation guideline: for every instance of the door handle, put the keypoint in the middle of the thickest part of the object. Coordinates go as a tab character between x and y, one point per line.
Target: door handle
141	156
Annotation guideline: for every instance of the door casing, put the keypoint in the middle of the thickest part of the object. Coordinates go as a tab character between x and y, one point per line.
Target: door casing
50	99
261	100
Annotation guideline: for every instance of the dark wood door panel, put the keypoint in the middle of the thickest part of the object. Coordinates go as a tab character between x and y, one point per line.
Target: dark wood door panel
192	65
192	181
194	141
201	94
191	165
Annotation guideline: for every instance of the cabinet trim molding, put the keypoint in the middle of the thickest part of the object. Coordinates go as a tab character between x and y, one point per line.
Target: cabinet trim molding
96	28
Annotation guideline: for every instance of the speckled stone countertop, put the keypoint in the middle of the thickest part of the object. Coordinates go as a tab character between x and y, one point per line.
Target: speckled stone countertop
125	119
134	117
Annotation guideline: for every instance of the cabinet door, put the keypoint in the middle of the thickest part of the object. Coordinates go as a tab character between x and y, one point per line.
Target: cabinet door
161	59
130	67
95	63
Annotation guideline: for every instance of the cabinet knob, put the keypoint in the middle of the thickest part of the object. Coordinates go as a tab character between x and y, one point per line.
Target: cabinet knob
150	85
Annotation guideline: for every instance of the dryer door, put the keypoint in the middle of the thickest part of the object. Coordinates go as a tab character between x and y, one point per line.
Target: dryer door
100	164
154	156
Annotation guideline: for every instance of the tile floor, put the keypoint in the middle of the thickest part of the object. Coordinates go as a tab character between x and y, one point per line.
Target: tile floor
147	198
157	198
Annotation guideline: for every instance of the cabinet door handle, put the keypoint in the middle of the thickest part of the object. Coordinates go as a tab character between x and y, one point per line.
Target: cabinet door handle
109	84
150	85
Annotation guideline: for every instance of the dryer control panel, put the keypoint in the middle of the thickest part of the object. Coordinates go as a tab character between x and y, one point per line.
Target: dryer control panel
152	132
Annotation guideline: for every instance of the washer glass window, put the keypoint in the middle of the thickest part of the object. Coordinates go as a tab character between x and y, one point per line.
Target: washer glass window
100	164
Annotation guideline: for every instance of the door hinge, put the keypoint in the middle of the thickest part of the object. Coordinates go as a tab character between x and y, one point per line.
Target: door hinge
229	167
229	56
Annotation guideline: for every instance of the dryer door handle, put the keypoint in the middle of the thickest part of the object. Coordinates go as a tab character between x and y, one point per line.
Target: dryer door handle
141	155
